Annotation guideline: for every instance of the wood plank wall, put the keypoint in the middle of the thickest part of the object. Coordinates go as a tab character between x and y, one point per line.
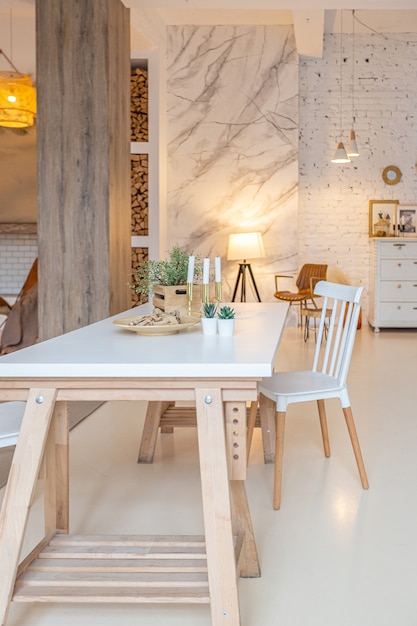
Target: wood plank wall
83	126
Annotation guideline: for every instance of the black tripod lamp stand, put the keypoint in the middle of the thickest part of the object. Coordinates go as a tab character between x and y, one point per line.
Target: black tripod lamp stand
245	246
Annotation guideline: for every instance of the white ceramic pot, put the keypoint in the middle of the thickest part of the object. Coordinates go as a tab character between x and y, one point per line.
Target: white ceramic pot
226	328
209	325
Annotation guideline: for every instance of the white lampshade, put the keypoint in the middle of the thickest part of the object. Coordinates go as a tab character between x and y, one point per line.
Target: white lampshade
352	150
244	246
340	154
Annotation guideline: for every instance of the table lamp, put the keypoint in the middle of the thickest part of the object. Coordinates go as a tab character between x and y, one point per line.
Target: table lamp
243	246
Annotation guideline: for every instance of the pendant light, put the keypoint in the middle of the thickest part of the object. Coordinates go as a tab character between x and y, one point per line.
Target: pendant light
17	95
340	154
353	147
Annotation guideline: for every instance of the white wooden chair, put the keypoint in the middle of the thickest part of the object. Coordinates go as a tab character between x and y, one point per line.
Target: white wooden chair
326	379
11	414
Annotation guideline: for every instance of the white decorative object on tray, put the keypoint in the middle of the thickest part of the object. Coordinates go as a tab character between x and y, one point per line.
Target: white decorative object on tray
128	323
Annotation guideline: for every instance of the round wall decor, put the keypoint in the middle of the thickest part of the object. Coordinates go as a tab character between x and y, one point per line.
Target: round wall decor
391	175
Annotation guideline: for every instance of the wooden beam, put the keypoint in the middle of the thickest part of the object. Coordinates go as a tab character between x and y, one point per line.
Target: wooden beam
83	123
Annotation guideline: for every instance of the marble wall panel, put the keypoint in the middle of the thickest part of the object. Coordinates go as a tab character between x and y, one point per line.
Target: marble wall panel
232	100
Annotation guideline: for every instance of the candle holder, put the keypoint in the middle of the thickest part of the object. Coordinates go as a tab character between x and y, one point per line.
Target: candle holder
206	292
218	291
189	296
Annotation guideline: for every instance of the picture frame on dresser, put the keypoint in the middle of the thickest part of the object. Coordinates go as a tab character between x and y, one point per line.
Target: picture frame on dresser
382	218
407	220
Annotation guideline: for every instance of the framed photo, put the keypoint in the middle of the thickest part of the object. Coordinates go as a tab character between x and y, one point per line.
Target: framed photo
407	220
383	218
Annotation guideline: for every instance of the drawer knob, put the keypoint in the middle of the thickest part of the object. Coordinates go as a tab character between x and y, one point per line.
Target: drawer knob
399	308
399	286
399	264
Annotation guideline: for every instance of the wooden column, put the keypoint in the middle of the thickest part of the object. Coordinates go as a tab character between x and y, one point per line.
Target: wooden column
83	126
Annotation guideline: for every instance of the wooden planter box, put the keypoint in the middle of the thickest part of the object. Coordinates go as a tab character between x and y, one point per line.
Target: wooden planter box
174	298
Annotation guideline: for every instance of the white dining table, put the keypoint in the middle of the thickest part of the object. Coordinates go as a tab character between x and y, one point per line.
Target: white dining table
104	362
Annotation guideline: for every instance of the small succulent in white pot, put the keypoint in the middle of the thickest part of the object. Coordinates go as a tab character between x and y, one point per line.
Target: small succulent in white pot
226	313
209	309
209	319
226	321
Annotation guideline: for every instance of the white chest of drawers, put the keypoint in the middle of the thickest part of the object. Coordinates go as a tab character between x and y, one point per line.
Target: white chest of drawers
393	283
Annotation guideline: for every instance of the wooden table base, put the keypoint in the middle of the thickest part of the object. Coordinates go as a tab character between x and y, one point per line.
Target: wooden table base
78	568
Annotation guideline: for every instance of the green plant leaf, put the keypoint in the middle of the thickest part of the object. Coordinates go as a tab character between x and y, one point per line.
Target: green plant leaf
226	313
171	271
209	309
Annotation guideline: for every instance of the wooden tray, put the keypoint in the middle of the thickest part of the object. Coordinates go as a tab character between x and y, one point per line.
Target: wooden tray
163	329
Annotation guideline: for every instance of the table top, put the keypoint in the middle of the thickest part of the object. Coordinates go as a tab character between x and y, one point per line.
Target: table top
103	350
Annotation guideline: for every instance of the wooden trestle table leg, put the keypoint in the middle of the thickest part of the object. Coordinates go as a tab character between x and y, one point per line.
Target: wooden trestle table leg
150	430
221	562
20	488
56	460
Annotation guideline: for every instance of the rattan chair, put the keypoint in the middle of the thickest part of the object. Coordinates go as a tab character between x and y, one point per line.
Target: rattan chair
303	283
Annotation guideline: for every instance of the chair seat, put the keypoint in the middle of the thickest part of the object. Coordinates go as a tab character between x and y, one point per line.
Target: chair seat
311	311
302	385
291	296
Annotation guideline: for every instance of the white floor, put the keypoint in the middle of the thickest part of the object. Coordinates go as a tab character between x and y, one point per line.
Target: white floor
334	555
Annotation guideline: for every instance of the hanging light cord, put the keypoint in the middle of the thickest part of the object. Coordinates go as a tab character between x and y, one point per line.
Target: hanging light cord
11	44
353	69
7	59
341	74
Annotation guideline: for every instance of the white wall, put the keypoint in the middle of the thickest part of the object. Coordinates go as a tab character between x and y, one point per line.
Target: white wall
17	253
232	102
333	199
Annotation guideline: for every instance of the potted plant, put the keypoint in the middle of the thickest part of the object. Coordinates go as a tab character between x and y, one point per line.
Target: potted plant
226	321
166	280
209	320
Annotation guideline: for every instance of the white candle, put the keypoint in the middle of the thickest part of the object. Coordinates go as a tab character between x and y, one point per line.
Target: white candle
217	270
190	275
206	271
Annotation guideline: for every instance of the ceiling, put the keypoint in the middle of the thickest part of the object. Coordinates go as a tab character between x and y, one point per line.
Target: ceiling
321	16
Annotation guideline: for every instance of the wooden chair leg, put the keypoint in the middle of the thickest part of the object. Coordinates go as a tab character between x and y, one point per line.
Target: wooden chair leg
306	327
347	411
279	453
267	416
323	425
251	425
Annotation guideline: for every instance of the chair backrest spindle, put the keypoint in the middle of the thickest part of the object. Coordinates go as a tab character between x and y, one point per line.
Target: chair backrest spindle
333	356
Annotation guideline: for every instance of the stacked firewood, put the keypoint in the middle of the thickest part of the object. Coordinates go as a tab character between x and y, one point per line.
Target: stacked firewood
139	104
139	169
139	194
139	255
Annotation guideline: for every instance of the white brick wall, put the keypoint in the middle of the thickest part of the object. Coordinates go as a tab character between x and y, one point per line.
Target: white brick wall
333	199
17	253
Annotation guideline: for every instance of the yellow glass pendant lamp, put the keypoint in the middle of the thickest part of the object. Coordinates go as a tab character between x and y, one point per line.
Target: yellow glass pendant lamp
17	99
